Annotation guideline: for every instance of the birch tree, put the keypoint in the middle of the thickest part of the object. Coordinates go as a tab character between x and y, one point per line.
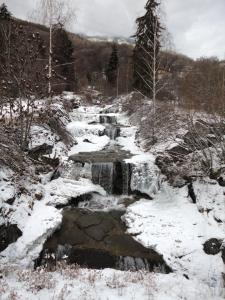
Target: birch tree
52	13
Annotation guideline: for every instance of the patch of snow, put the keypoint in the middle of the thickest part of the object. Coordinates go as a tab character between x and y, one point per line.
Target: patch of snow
61	190
79	129
77	283
40	225
174	227
94	143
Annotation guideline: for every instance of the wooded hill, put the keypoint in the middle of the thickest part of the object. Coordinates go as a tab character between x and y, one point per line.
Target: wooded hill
89	61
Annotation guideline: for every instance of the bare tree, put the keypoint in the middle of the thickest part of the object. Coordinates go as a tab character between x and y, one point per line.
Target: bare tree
18	59
52	13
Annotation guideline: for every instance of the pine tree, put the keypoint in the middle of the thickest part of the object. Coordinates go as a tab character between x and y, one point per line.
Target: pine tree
146	51
4	13
63	58
113	65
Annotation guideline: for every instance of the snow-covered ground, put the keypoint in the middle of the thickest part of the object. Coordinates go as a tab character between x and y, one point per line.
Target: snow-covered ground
71	283
174	227
170	223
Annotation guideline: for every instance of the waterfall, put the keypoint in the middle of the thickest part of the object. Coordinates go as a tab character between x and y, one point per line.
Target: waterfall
145	179
126	173
102	174
133	263
114	177
107	119
112	132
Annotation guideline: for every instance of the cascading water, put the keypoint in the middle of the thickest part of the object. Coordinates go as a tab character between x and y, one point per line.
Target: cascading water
113	177
112	131
92	232
102	174
106	119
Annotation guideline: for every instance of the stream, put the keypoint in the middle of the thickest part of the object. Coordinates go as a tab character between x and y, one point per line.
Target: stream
93	233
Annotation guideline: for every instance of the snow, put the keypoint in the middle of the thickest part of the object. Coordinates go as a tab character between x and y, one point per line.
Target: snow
174	227
170	223
94	143
61	190
79	129
40	225
70	283
210	198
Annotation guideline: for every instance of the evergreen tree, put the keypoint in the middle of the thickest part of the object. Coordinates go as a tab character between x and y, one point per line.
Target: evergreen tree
113	65
63	57
4	13
146	51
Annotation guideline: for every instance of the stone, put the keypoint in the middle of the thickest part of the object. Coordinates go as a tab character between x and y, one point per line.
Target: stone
40	150
98	239
8	235
212	246
10	201
38	196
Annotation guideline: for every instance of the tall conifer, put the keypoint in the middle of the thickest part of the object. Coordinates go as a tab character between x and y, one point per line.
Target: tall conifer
146	51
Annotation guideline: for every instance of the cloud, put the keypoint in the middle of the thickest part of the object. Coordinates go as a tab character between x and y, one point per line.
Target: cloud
197	26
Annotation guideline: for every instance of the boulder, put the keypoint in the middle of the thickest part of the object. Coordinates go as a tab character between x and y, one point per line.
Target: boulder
212	246
8	235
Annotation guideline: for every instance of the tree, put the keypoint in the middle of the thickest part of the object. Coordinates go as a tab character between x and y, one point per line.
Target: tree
4	13
52	13
113	66
146	51
146	55
63	58
202	86
18	60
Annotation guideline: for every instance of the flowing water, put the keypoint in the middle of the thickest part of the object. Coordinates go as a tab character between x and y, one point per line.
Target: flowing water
92	233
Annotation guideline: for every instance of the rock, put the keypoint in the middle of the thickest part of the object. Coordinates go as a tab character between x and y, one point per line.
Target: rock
223	254
191	192
8	235
99	239
10	201
38	196
179	151
212	246
87	141
53	162
40	150
221	181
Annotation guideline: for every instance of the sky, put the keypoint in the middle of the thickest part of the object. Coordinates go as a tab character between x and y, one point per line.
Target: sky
197	26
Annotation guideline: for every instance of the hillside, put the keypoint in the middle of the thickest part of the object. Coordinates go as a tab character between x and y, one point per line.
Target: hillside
91	57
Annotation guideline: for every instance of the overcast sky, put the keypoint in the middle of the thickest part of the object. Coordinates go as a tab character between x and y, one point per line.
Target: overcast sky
197	26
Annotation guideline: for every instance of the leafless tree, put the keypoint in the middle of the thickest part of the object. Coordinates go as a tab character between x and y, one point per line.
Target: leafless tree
18	60
52	13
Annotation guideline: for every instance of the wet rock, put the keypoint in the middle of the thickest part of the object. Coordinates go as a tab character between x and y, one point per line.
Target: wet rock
212	246
106	156
8	235
98	239
39	151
